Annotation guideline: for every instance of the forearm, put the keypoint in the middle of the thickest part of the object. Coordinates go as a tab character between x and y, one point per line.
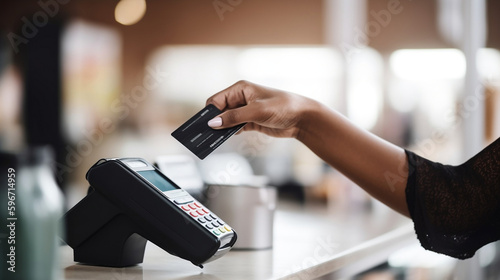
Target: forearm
376	165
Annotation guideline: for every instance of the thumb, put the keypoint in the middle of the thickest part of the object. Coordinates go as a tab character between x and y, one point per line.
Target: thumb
233	117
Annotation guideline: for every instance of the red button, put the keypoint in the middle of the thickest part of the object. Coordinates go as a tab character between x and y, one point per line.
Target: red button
200	212
197	205
185	208
192	206
194	214
205	210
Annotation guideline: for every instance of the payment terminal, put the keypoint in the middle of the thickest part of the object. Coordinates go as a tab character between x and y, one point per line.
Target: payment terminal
130	202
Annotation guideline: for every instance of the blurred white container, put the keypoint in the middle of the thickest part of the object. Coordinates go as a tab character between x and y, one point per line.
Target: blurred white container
241	199
248	209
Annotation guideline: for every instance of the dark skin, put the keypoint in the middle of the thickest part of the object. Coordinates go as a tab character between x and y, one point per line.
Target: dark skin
360	155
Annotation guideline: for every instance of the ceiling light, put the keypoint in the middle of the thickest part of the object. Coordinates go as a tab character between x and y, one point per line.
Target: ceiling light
128	12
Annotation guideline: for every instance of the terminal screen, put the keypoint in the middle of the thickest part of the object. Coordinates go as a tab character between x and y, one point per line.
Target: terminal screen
157	180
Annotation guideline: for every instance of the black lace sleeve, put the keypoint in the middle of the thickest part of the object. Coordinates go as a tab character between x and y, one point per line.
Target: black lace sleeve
455	209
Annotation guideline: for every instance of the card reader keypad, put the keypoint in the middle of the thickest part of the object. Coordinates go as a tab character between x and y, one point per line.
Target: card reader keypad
196	210
207	219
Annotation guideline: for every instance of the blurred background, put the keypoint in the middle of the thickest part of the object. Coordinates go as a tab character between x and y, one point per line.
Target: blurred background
96	79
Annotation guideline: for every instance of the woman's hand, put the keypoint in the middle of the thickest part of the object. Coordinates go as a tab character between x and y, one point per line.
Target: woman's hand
270	111
376	165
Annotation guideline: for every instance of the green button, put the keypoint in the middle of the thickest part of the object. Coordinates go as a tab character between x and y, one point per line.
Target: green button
216	232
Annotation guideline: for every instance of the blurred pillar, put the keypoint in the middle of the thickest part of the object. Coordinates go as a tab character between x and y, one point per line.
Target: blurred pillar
342	21
474	38
41	68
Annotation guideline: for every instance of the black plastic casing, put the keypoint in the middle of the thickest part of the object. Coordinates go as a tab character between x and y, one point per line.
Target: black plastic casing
110	225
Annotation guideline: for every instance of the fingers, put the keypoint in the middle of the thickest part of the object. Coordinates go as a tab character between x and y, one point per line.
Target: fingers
233	117
247	127
232	97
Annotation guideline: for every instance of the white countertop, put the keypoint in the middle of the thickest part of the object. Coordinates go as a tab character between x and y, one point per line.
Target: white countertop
309	241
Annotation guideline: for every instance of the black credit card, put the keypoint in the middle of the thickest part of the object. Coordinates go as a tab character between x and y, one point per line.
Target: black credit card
198	137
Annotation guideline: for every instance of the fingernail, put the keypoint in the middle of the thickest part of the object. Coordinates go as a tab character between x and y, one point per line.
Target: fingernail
215	122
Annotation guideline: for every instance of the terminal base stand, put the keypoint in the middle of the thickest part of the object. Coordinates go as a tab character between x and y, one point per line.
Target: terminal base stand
100	235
